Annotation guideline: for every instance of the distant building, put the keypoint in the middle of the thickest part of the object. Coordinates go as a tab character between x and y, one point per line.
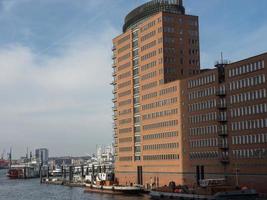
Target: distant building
42	155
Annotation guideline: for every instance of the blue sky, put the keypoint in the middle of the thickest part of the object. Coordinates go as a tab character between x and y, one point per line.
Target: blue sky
55	63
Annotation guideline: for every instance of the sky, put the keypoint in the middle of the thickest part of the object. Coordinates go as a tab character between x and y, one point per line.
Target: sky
55	65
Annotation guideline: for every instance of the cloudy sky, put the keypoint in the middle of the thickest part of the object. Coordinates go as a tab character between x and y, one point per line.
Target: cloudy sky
55	64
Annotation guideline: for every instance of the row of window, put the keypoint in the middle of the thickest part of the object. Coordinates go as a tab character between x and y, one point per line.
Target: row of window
124	48
148	55
124	66
204	155
193	51
125	121
148	35
250	153
249	110
161	103
149	96
248	82
124	57
160	125
160	114
193	33
203	118
210	142
202	105
149	85
125	102
126	158
147	26
125	149
246	68
125	140
202	93
160	146
248	96
249	124
168	29
125	112
169	40
125	75
149	45
149	75
205	130
250	139
123	94
168	90
125	130
148	65
169	50
160	135
202	81
125	38
161	157
169	70
124	84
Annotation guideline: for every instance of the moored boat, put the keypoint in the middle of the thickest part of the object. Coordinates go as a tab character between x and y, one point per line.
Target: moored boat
4	164
230	195
113	189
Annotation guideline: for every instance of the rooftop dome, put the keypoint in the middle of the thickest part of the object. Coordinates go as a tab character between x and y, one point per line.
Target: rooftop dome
151	8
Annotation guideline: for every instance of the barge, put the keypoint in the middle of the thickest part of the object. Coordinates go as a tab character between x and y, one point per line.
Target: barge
113	189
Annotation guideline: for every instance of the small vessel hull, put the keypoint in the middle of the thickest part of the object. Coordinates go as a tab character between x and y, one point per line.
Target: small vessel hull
233	195
114	190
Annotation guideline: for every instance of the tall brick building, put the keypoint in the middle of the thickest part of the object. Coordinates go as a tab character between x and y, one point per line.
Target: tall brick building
175	122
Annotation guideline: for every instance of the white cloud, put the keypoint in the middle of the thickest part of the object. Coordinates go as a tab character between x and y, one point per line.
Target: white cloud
67	96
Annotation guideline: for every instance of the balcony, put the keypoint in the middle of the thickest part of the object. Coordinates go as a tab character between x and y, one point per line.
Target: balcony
114	108
113	48
223	146
222	133
222	106
115	117
114	100
114	56
222	119
224	159
114	91
221	93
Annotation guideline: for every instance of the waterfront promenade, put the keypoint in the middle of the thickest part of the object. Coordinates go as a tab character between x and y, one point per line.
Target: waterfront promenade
32	190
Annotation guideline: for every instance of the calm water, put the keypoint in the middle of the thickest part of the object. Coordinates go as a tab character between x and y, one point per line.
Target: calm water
32	190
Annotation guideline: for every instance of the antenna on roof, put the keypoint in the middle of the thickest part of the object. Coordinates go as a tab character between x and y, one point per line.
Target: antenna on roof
221	57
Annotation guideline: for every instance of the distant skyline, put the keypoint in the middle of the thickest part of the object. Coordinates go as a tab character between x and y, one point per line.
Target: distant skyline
55	65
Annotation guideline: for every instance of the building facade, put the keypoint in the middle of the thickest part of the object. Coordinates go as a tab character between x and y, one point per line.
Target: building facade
42	155
173	121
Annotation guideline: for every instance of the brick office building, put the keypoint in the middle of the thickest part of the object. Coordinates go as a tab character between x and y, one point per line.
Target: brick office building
173	121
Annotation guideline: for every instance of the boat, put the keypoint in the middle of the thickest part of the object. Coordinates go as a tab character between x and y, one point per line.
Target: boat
208	189
4	164
24	170
230	195
15	173
113	189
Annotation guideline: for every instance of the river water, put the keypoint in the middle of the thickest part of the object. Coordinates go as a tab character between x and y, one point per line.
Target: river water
32	190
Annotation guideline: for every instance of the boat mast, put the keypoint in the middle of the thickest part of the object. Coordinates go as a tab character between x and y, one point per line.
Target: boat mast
10	158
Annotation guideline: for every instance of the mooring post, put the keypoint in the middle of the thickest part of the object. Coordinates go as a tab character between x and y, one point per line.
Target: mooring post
70	174
47	175
82	168
40	173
